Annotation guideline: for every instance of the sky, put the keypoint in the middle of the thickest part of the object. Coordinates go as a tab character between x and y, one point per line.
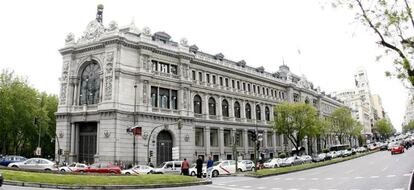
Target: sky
324	44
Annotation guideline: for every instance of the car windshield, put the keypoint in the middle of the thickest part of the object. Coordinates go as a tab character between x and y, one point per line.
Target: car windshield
216	163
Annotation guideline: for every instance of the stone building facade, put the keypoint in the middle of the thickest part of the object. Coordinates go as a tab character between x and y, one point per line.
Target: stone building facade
113	77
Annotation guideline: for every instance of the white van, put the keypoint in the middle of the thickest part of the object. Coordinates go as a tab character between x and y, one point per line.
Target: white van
169	167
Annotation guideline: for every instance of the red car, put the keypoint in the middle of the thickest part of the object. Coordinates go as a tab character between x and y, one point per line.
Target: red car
397	149
102	167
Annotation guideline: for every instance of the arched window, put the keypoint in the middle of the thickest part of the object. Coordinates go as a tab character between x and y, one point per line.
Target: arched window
211	106
248	111
225	108
197	104
236	109
258	113
90	84
267	113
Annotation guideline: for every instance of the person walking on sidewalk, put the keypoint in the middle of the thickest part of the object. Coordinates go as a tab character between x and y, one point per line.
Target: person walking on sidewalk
199	166
184	167
210	163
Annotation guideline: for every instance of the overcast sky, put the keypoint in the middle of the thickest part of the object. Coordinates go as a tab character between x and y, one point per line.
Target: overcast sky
263	33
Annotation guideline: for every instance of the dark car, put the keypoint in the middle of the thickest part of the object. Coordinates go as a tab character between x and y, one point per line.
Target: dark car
384	146
1	179
11	159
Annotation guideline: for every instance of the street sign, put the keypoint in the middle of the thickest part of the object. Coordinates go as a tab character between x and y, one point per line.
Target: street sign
38	151
175	153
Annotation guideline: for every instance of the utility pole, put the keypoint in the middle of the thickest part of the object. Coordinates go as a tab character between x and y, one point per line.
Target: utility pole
135	121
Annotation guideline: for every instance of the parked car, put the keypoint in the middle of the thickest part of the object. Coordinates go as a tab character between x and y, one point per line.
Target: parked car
273	163
138	170
224	167
193	170
245	165
397	149
384	146
100	167
346	153
72	167
294	160
35	164
361	149
169	167
5	161
306	158
333	154
319	158
1	179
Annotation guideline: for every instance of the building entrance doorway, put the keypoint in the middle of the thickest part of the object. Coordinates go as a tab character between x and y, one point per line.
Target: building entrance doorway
164	147
87	142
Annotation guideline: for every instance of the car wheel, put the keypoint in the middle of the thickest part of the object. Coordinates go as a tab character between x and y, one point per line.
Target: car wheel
127	173
240	170
47	169
215	173
112	173
193	174
81	171
62	170
14	166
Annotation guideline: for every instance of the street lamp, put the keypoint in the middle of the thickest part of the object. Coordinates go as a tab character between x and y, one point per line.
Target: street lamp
135	121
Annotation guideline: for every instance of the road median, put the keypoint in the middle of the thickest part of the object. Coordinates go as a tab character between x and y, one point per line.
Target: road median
285	170
45	180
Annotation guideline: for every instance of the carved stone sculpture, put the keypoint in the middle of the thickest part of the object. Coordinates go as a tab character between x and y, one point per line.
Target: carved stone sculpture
70	38
113	26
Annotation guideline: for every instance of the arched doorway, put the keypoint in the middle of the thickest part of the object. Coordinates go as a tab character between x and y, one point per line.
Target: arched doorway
164	147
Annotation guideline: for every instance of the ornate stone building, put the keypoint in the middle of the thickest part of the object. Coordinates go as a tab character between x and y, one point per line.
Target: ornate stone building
114	77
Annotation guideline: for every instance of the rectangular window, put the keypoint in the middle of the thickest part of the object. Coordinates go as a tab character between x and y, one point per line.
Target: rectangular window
214	79
250	142
254	88
174	99
154	65
164	67
239	138
267	92
227	82
270	139
208	78
258	89
200	76
194	75
164	98
278	140
173	69
232	84
227	138
154	96
221	81
199	136
248	87
214	137
271	92
238	85
244	86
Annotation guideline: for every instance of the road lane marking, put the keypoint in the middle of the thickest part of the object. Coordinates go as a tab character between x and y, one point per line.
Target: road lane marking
399	189
374	176
390	175
313	189
328	178
288	179
332	189
376	189
406	174
261	188
276	188
314	178
232	185
358	177
301	178
247	187
354	189
293	189
383	169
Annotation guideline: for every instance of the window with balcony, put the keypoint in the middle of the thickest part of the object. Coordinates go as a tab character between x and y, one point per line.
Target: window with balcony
236	109
211	106
248	87
90	84
164	95
164	68
164	98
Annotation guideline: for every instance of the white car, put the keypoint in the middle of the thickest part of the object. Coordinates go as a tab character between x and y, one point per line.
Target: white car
169	167
273	163
245	165
193	170
72	167
224	167
35	164
138	170
306	158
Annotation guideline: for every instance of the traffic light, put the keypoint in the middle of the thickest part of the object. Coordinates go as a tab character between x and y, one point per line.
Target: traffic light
151	153
253	135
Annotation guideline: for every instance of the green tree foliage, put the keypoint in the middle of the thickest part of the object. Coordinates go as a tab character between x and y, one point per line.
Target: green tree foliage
393	24
342	123
20	104
323	130
295	121
383	128
408	127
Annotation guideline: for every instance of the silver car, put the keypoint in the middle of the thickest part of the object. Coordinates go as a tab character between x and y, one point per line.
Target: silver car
35	164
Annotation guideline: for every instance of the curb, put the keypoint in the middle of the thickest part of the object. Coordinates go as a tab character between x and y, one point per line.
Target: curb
57	186
268	175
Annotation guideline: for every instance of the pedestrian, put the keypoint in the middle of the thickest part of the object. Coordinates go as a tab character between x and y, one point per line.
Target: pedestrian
210	163
199	166
184	167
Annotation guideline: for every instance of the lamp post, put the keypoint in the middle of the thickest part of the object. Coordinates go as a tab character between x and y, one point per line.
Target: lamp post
135	121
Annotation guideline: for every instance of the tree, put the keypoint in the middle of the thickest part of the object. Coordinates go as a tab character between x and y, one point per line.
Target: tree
323	130
383	128
408	127
393	24
343	123
295	121
355	132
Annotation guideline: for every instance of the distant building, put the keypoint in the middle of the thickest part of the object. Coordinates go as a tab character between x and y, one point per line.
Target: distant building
409	109
379	112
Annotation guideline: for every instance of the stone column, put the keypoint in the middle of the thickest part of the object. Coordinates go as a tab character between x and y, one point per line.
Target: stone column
207	140
75	92
98	137
253	111
221	142
243	110
274	143
181	99
72	141
271	112
264	139
204	108
219	108
262	112
231	109
245	142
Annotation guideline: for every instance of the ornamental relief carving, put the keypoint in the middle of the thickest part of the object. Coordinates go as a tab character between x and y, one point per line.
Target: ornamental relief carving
108	75
144	92
63	93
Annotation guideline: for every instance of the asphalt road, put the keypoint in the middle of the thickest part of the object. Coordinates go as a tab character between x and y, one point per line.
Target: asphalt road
379	171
